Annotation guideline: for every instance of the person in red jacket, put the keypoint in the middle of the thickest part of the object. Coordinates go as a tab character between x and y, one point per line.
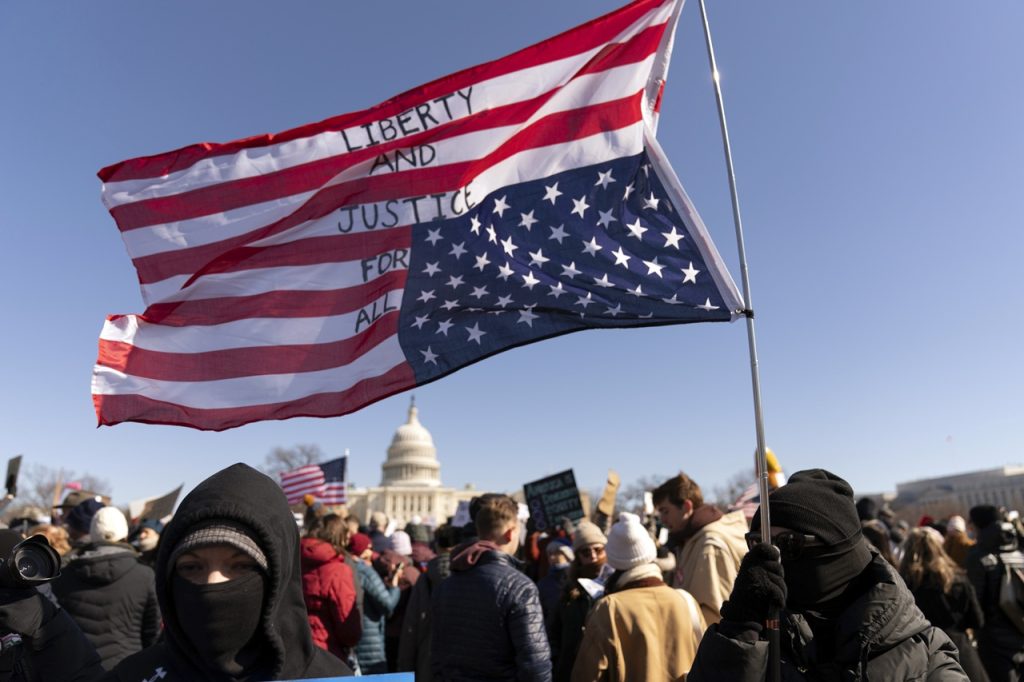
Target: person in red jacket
328	586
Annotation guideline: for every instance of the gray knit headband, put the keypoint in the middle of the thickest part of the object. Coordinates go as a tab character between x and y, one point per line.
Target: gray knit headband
221	532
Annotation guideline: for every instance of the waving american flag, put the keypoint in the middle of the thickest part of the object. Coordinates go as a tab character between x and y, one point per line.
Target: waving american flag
312	272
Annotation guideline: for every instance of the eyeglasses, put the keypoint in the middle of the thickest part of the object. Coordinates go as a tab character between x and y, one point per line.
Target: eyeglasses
597	550
791	545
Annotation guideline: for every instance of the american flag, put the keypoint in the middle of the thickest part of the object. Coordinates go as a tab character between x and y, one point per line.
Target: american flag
315	271
325	482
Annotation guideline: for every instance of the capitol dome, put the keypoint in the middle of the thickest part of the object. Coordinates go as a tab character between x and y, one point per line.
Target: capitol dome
412	457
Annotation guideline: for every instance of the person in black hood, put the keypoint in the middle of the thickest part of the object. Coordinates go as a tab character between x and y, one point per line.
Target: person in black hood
229	583
845	612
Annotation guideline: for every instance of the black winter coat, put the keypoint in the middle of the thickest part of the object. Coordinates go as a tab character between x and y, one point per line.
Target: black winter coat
112	597
881	635
955	612
487	620
985	572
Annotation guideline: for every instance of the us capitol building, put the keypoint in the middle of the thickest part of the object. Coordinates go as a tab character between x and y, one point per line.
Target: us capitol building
410	480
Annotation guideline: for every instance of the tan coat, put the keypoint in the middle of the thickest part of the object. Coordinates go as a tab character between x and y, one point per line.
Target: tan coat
638	634
708	562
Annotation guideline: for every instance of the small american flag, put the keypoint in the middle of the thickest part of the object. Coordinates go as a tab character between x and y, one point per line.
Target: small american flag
325	482
315	271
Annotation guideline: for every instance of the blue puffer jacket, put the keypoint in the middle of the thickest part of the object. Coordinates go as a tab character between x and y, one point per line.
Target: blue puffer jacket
488	623
379	601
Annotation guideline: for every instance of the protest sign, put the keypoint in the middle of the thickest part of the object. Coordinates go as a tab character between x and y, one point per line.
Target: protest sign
461	514
552	498
11	481
154	508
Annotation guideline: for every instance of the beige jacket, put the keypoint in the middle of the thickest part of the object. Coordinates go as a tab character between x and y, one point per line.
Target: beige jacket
638	634
707	564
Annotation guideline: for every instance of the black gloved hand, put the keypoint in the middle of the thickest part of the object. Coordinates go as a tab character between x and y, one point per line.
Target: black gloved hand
759	587
24	610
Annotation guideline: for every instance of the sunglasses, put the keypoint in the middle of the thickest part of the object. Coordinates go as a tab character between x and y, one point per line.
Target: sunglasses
791	545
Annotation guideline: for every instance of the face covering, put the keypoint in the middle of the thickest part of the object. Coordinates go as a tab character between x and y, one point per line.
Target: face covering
221	621
821	575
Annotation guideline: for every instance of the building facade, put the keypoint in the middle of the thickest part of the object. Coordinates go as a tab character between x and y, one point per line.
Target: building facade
947	495
410	481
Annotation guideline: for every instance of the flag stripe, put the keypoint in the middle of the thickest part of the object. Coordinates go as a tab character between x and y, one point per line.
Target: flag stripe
249	332
302	475
242	391
275	304
316	277
583	39
306	251
246	361
456	137
113	408
307	479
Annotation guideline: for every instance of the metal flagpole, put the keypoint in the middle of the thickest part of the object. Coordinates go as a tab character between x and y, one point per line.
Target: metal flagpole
772	625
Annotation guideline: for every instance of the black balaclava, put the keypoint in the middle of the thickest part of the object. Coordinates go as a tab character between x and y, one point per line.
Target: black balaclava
242	507
221	621
819	503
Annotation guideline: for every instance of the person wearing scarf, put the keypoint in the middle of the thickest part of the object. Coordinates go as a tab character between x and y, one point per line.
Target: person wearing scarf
708	544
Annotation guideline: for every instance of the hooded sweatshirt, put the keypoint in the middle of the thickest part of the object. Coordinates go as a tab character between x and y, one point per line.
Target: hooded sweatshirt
244	496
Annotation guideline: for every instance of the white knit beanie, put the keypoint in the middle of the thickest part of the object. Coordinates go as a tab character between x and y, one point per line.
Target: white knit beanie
401	543
629	544
108	525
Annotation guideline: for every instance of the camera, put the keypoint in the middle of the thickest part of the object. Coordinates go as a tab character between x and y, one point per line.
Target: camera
26	563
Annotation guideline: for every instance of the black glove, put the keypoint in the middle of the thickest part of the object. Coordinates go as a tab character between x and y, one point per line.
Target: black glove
759	588
24	610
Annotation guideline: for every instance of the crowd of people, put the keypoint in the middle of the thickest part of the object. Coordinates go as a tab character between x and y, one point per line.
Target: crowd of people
232	588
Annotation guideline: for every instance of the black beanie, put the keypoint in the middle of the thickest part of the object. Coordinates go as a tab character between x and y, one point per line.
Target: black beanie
816	502
867	509
984	515
80	517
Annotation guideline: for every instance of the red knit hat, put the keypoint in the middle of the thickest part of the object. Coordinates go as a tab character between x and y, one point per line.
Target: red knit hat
359	543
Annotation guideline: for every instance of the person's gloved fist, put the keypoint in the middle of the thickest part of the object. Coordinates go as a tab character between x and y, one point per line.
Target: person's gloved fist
24	610
759	588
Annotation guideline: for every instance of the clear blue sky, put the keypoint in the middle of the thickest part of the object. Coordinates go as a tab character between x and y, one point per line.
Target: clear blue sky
878	148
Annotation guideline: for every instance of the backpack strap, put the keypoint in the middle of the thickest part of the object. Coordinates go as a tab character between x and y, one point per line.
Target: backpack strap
695	614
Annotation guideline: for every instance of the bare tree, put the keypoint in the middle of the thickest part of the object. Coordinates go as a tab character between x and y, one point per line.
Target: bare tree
38	484
727	493
285	459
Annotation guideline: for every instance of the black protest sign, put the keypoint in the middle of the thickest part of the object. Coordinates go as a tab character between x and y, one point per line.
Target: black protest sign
13	467
553	498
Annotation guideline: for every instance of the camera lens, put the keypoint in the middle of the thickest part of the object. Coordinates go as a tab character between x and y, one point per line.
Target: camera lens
32	563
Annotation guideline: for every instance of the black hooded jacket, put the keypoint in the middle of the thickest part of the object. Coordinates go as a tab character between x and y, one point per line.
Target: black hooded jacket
243	495
112	597
881	635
